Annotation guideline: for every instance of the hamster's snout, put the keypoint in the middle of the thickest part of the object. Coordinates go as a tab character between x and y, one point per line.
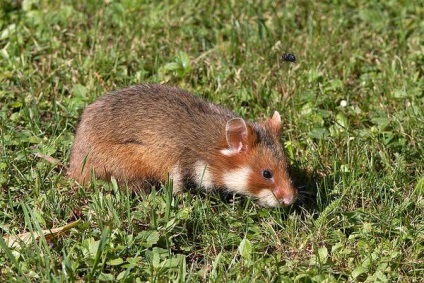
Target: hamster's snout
286	196
277	197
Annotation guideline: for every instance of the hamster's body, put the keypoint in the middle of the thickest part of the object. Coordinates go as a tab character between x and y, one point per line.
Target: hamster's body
148	132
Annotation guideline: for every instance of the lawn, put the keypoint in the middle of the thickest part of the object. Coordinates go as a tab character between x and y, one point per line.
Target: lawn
352	107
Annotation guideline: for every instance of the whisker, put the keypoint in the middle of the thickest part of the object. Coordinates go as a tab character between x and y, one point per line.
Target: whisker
301	199
306	193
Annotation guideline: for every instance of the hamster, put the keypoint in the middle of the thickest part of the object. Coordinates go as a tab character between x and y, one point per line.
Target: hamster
152	132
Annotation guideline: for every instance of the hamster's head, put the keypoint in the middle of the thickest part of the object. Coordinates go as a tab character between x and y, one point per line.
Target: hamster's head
253	162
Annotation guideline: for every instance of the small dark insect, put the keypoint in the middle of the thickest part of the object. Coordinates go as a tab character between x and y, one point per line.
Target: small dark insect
288	57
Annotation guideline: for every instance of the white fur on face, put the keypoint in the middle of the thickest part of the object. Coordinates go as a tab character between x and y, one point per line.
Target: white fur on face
175	176
203	176
237	180
267	198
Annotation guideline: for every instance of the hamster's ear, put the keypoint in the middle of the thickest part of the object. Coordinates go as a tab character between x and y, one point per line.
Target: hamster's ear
237	135
274	124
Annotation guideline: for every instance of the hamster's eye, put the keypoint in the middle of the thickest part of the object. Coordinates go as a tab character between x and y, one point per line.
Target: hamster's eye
267	174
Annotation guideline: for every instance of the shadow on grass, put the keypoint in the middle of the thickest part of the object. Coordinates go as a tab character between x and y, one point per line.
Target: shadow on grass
310	199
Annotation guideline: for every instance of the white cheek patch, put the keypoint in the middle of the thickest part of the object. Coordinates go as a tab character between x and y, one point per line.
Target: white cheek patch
203	176
237	180
267	198
176	177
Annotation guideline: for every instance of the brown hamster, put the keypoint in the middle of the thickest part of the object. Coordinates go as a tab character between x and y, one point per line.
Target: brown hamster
155	131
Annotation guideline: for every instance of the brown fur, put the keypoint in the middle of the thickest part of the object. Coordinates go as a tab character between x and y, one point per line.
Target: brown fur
143	132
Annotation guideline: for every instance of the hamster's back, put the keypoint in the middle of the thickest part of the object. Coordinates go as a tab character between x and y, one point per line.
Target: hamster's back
154	109
155	123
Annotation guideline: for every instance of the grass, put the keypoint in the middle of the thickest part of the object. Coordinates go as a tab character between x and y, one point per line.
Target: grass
353	114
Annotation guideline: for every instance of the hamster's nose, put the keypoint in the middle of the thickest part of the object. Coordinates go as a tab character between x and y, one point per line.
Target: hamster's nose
285	196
